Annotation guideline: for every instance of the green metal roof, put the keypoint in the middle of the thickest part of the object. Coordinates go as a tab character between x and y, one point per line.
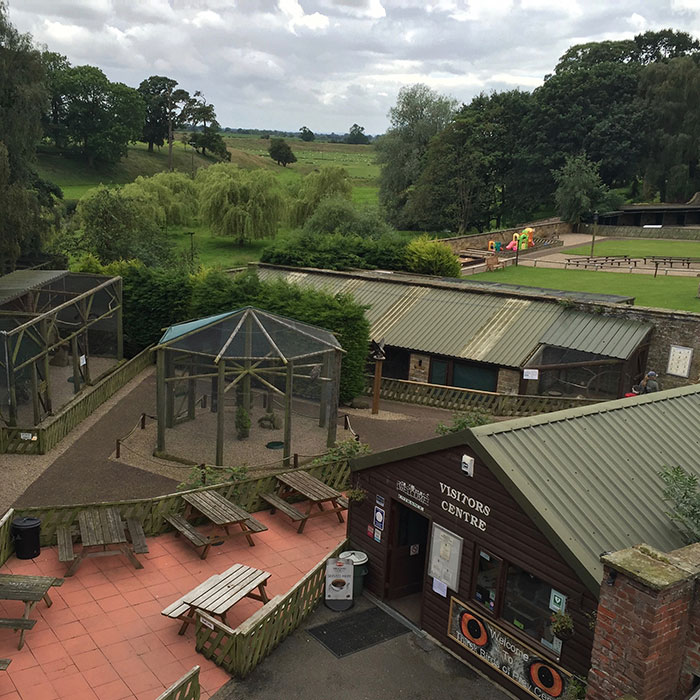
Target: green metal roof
180	329
21	281
499	328
589	475
603	335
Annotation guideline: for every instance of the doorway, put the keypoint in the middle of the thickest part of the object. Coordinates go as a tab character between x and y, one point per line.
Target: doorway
408	544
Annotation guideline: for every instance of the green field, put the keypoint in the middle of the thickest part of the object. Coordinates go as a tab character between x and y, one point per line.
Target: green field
662	292
640	248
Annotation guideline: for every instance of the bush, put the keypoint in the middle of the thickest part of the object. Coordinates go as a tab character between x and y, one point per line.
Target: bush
429	256
242	422
464	419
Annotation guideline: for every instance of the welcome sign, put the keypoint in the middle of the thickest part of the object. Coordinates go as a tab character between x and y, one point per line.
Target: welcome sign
509	656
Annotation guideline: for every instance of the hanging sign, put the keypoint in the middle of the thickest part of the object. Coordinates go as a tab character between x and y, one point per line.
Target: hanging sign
509	656
531	374
83	360
445	556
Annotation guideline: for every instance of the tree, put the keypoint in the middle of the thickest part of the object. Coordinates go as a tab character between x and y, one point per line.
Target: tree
118	225
338	214
243	204
281	152
202	112
429	256
671	94
54	118
580	191
173	194
681	492
154	91
101	117
357	135
306	134
419	114
331	181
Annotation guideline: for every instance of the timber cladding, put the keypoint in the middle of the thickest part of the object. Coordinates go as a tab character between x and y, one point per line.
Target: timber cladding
487	518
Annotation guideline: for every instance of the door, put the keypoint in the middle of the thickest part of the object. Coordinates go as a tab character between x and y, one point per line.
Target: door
408	542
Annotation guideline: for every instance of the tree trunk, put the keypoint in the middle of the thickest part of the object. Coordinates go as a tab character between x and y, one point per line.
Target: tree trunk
150	146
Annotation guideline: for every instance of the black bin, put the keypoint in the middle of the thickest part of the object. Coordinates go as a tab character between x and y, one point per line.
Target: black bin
25	535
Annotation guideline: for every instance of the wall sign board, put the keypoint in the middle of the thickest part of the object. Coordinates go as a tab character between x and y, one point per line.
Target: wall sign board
445	556
531	374
378	518
537	675
679	359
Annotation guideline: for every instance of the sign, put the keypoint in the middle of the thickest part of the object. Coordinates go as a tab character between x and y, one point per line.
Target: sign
377	535
445	556
370	531
531	374
411	503
557	601
413	492
468	465
27	436
523	665
679	359
464	506
83	360
440	587
339	574
378	518
380	501
206	623
413	550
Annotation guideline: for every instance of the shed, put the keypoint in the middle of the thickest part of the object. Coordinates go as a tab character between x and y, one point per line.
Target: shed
484	534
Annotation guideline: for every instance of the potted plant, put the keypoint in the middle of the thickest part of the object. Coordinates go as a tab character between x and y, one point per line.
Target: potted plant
562	625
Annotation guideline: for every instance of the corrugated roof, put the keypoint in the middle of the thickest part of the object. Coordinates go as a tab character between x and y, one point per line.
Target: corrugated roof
459	322
21	281
589	476
603	335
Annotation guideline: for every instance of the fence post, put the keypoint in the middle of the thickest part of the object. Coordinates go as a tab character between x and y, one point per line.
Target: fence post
296	460
143	421
119	444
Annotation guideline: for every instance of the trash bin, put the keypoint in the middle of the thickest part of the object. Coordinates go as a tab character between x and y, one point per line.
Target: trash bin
359	571
25	535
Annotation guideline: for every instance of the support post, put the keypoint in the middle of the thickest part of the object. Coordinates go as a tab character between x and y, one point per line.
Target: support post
76	363
47	368
35	395
191	391
86	344
325	388
220	413
247	401
376	391
169	392
333	400
120	322
288	386
595	230
160	398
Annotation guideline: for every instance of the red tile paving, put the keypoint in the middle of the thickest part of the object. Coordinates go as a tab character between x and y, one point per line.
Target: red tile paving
104	637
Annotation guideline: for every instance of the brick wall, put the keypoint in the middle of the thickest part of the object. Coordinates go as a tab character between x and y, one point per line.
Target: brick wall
646	639
508	381
419	368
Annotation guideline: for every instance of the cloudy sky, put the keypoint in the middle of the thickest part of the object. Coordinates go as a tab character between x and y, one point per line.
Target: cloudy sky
281	64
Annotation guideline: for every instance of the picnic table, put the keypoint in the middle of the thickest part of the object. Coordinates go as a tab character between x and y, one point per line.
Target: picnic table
219	593
596	260
30	590
101	528
301	483
670	260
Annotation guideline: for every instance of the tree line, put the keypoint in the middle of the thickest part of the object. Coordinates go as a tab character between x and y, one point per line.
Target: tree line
626	111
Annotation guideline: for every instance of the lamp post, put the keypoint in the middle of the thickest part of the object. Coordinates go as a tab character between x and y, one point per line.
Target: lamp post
595	229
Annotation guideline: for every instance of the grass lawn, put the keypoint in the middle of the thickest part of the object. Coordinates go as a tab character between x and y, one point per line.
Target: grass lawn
641	248
216	250
663	292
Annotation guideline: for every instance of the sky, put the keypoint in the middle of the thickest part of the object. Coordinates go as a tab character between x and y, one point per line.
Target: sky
327	64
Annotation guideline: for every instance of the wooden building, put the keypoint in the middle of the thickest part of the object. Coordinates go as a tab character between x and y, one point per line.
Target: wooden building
653	215
486	537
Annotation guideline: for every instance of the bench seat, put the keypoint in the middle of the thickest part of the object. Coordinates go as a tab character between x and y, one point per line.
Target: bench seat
64	537
17	623
4	663
255	525
279	503
138	536
183	527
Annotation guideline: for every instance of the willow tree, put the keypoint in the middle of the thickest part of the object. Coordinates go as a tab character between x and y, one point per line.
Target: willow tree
332	181
173	193
245	205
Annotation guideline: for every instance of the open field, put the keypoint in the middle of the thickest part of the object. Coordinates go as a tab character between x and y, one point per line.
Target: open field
75	178
662	292
636	247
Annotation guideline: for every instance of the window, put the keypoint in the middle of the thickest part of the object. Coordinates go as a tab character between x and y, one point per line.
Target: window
488	571
526	605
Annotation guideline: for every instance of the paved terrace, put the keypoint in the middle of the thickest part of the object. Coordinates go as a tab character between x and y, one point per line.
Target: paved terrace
104	637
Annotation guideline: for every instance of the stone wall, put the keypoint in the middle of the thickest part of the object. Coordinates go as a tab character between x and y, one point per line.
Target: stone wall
548	229
680	233
508	381
419	368
646	642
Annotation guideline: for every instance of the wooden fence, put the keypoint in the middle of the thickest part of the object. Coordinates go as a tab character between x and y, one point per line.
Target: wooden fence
151	511
239	651
187	688
6	547
42	438
456	399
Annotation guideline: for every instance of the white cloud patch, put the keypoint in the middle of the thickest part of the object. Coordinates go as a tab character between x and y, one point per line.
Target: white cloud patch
296	16
208	19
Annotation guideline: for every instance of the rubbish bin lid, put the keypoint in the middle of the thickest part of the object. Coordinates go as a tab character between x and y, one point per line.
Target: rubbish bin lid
25	522
355	557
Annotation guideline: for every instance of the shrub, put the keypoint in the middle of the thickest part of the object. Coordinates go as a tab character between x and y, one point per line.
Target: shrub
462	420
429	256
242	422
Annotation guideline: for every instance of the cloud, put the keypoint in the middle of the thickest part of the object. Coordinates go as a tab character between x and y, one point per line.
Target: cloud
298	18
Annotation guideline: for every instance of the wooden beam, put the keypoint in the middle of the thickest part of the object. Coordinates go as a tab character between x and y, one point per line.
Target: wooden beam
160	398
220	414
287	451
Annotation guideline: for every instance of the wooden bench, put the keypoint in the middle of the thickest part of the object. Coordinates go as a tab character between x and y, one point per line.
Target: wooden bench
4	663
17	623
343	502
279	503
64	537
183	527
254	525
137	535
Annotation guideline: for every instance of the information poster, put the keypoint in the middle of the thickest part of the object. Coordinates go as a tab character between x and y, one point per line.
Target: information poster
445	556
509	656
339	573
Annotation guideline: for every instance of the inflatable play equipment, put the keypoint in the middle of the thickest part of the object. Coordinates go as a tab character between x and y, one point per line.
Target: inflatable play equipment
522	240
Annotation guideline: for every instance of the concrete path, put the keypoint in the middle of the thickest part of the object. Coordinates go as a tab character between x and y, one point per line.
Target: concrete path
409	666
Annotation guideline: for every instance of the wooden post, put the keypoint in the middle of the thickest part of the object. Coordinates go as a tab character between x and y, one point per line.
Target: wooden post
120	321
191	391
11	383
76	363
160	398
326	388
333	401
220	413
86	345
47	367
35	395
248	329
288	386
377	386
